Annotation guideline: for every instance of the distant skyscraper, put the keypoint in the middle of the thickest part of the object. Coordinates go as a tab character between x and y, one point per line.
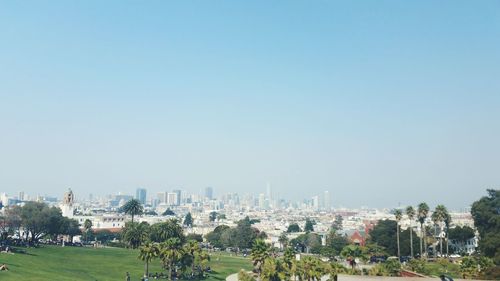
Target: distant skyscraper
262	201
209	193
268	192
326	201
140	194
178	192
162	197
21	196
315	202
172	199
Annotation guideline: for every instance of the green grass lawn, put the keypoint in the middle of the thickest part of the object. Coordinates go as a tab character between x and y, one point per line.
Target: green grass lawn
73	263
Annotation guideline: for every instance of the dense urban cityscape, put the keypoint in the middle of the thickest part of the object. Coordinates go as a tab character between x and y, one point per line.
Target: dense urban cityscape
249	140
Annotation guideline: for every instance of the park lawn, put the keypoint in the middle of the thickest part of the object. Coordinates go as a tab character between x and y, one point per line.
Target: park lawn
96	264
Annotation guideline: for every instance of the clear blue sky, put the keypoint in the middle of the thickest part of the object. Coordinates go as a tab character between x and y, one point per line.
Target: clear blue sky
379	102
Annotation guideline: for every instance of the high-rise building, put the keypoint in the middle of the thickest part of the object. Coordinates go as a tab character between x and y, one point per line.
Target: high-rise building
178	192
140	194
262	201
315	202
326	201
21	196
162	197
172	198
209	193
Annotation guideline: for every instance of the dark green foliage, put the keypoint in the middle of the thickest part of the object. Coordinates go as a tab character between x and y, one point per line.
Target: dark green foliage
309	226
194	237
188	220
486	214
293	228
214	237
461	234
213	216
133	207
384	234
135	234
307	243
168	212
160	232
242	236
337	223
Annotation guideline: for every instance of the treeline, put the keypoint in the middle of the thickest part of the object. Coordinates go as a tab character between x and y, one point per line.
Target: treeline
240	237
182	255
34	221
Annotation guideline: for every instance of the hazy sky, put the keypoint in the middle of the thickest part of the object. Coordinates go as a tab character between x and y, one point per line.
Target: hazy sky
379	102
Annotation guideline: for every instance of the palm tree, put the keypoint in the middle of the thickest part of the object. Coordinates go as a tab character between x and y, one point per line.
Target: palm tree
410	212
87	225
170	253
260	251
133	207
135	233
399	215
352	252
147	253
439	216
193	249
204	259
283	239
422	213
447	223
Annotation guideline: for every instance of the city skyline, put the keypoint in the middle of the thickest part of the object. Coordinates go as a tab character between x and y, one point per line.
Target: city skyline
362	99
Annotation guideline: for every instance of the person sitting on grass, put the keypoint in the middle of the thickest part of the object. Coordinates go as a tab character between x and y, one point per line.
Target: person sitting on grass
4	267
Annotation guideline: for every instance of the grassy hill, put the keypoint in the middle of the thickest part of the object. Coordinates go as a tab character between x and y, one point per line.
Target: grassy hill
73	263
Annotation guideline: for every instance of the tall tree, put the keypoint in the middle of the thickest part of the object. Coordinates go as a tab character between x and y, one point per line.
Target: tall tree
192	248
133	208
399	215
294	227
188	220
410	212
447	224
486	215
438	217
135	234
160	232
309	226
148	252
260	252
283	239
213	216
87	226
422	213
337	223
170	253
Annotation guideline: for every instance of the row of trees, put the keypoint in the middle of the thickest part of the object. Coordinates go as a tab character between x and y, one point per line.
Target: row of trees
268	267
440	217
240	237
35	220
175	256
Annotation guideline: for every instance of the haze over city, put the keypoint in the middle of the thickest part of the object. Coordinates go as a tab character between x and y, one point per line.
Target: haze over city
379	104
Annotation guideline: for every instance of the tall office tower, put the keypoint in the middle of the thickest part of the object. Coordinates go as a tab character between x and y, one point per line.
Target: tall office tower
172	199
326	201
315	202
21	196
209	192
262	201
178	192
162	197
140	194
268	192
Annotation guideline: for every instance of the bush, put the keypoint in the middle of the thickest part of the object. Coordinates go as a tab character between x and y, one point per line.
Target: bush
245	276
